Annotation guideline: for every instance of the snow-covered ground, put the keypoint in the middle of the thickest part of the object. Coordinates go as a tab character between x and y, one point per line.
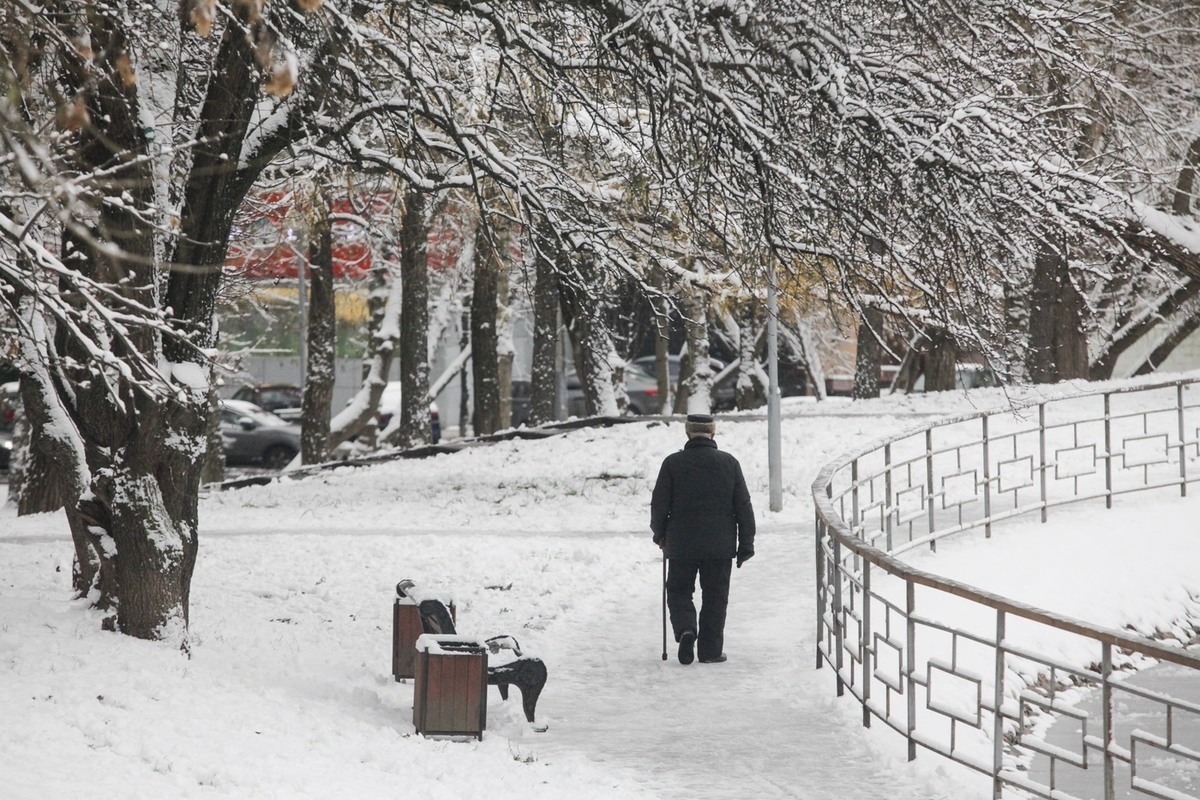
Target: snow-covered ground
288	691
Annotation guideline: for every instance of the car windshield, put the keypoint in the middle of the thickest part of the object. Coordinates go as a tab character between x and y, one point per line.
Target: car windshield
234	412
634	373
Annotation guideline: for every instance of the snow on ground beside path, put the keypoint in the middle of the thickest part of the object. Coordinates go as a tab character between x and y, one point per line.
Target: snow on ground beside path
288	691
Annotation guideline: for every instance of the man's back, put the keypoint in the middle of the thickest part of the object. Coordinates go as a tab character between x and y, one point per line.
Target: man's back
701	503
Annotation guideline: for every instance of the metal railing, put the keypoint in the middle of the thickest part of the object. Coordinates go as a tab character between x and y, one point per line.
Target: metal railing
977	677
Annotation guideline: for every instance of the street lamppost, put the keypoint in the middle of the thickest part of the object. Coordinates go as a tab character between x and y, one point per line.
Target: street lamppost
774	444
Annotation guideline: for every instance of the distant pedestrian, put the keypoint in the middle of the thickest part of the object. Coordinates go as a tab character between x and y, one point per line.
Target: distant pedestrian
702	518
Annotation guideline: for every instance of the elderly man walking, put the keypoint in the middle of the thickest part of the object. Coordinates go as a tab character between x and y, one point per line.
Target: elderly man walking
701	516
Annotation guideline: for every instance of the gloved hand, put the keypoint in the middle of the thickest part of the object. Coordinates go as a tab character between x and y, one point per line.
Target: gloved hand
658	540
744	556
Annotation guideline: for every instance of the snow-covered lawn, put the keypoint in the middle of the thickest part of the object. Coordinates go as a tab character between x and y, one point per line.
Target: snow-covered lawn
288	691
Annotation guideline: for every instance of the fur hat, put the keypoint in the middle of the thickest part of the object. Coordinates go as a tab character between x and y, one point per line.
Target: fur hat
700	423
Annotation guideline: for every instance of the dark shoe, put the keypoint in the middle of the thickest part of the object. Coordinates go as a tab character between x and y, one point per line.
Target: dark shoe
715	659
687	641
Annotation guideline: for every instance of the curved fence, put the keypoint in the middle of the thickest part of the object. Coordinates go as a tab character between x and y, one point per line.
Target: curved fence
980	678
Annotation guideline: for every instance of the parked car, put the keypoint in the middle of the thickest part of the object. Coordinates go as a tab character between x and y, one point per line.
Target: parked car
640	386
251	435
724	394
389	406
282	399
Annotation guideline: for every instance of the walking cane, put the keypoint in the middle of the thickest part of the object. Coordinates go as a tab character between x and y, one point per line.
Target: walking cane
664	604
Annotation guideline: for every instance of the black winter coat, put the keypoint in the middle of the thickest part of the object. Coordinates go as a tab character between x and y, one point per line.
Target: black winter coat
701	504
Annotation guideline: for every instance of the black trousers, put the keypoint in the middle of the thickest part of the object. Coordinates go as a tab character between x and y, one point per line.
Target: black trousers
714	600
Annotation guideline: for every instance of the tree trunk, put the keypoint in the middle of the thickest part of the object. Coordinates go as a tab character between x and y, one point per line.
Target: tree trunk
360	417
941	361
697	387
592	345
1057	344
128	447
19	458
213	470
868	358
414	323
807	347
751	391
1185	184
319	377
544	377
662	365
1016	321
484	340
662	351
505	349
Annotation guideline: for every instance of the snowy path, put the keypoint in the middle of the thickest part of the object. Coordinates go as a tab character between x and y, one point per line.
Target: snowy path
288	692
765	724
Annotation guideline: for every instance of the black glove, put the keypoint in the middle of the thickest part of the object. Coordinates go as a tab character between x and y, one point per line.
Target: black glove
658	540
743	556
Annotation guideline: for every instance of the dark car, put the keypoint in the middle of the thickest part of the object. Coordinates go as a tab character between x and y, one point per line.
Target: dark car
640	386
724	394
250	435
282	399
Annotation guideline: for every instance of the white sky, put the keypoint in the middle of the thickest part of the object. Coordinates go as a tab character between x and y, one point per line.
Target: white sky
288	692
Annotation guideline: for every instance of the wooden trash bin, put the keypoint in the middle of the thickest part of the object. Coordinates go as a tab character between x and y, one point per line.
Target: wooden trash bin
450	692
406	627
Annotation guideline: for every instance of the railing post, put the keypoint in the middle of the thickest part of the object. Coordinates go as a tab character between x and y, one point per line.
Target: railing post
987	483
1042	451
1106	700
998	719
887	492
1182	446
853	495
910	663
839	631
1108	486
929	481
820	560
863	644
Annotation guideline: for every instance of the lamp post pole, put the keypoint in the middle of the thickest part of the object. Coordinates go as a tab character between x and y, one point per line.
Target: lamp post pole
774	444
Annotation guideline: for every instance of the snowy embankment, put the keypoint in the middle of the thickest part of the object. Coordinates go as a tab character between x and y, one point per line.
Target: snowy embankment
288	691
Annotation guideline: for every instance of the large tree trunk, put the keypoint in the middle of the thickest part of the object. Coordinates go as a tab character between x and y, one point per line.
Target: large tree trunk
1057	343
319	376
697	386
135	464
484	340
592	344
868	357
662	346
414	323
505	349
941	361
132	499
544	377
662	362
383	309
213	470
751	391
